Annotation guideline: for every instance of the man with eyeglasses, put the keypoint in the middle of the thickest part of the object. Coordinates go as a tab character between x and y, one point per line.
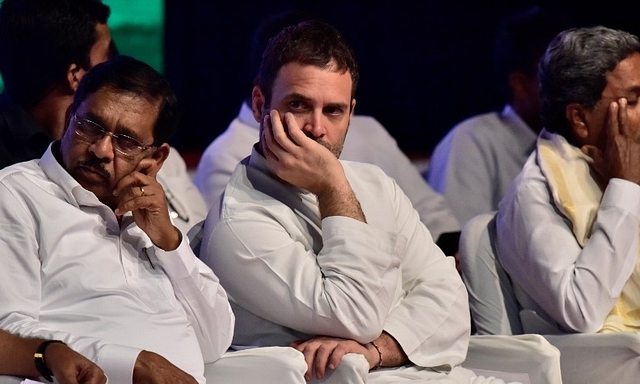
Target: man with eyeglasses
124	144
90	255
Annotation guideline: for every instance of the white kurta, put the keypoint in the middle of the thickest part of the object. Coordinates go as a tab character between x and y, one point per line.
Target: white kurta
367	142
474	164
572	286
291	275
70	271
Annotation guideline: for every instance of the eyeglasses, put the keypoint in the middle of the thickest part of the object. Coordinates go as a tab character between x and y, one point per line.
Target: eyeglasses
91	132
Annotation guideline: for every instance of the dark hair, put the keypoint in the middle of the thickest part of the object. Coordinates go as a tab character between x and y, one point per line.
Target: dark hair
574	69
311	42
39	39
124	74
521	40
267	29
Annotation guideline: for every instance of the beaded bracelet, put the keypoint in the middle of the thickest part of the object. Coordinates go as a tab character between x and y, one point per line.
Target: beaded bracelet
379	356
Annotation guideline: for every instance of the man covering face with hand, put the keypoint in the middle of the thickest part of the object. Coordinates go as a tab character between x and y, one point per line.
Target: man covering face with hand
327	256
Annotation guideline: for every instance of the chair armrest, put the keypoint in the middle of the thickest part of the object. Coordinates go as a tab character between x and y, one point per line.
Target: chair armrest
523	358
10	380
599	357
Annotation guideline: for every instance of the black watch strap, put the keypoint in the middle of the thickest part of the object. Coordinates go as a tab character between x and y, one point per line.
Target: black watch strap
38	359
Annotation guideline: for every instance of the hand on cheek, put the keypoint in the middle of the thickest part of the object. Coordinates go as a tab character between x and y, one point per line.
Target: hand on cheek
141	194
622	148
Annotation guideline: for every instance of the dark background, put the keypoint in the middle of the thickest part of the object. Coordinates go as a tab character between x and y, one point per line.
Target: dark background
425	65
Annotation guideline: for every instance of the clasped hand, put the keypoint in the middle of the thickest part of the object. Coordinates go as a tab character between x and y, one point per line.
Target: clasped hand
324	352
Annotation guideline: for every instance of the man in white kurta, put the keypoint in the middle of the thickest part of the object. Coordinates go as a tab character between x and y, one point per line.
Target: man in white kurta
89	253
474	164
324	255
571	285
368	142
568	227
328	256
293	276
71	272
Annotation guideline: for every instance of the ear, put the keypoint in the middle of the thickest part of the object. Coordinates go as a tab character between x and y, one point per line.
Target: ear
74	75
576	117
158	157
353	107
257	103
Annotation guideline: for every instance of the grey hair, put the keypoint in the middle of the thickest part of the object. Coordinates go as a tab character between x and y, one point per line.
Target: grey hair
574	69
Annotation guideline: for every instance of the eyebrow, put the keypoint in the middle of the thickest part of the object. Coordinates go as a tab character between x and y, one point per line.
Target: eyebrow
633	89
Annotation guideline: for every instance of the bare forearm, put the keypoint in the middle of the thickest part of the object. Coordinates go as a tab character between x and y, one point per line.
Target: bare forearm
16	355
390	351
340	201
17	358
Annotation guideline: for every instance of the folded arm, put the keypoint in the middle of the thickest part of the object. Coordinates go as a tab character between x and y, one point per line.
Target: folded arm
576	286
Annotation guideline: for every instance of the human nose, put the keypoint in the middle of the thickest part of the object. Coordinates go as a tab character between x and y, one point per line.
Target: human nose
103	147
314	125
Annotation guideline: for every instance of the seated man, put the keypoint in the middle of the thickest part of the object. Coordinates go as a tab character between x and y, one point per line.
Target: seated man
368	141
89	253
324	255
569	223
474	164
43	57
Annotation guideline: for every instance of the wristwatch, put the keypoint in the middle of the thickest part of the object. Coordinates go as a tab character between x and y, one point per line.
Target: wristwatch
38	359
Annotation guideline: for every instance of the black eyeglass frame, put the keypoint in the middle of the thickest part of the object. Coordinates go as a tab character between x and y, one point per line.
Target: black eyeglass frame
116	138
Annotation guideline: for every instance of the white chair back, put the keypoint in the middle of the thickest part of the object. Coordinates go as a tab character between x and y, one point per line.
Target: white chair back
494	308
